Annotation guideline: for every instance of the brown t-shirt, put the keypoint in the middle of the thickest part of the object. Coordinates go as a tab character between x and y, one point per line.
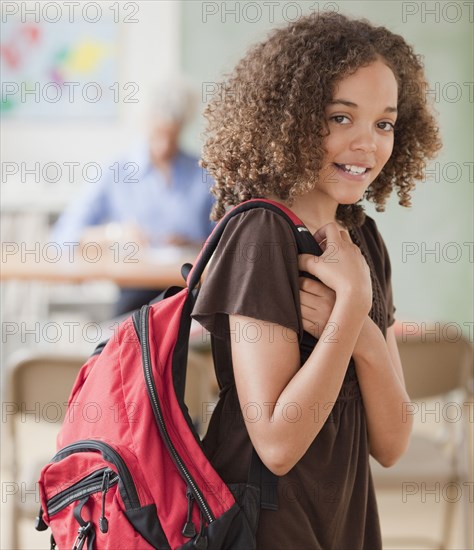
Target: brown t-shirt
327	500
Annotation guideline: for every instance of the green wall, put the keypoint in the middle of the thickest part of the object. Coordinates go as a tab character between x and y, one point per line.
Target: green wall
428	287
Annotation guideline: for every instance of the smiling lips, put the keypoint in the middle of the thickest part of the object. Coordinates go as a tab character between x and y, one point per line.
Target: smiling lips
353	169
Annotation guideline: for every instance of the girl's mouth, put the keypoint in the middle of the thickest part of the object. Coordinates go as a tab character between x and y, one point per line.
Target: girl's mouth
352	170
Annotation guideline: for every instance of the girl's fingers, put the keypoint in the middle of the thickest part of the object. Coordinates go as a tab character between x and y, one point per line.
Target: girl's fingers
329	232
306	315
311	286
316	288
306	262
345	236
311	327
318	303
320	234
308	301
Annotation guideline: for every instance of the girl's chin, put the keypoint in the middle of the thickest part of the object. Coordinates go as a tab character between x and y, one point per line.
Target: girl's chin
345	194
347	202
349	199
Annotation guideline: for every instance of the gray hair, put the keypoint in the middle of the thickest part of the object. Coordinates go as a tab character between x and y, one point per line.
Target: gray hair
174	100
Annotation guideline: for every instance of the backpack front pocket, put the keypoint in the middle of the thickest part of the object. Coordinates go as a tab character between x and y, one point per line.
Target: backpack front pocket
90	499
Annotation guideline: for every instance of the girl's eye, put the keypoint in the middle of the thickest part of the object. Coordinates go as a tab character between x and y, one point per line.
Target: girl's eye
386	126
339	119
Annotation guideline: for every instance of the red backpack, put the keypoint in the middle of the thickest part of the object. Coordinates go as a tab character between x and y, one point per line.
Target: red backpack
130	472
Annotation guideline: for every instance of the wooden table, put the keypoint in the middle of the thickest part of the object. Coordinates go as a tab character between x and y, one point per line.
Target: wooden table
139	268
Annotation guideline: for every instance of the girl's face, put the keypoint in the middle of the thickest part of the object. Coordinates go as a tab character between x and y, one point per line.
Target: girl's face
361	119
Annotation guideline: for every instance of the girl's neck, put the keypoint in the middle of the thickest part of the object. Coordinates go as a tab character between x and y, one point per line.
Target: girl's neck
313	213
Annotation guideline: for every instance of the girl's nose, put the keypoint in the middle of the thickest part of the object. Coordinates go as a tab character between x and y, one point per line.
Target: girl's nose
364	140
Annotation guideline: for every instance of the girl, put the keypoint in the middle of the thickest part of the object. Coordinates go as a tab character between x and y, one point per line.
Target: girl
324	113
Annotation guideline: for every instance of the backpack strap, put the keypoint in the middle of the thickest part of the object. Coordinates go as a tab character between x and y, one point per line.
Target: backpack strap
305	241
259	474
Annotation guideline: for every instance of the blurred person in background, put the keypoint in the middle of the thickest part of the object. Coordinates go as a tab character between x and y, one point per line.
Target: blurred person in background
157	195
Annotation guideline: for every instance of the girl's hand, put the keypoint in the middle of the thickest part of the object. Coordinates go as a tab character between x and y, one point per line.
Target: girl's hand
317	301
341	267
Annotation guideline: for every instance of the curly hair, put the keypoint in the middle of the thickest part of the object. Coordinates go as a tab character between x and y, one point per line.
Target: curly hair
265	128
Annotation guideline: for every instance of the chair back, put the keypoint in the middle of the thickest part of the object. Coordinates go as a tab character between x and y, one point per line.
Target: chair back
435	367
37	384
37	390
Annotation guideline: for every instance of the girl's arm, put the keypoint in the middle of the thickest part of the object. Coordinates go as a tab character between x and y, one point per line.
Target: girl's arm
285	406
380	375
379	371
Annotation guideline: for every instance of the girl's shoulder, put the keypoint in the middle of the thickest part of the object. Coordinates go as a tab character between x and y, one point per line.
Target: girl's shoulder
259	233
253	273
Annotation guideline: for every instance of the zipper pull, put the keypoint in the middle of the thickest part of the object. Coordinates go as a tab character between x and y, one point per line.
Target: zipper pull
40	525
103	521
189	530
201	540
82	533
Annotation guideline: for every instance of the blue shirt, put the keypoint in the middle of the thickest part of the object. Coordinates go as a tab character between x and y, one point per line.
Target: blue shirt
136	192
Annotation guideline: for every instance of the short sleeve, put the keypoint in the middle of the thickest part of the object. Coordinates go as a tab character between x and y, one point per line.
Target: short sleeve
253	272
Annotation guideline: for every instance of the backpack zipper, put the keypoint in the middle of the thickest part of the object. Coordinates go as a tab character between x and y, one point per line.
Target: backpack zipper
143	337
86	486
127	487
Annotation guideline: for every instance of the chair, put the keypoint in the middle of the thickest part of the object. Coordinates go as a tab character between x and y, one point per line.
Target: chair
438	376
38	387
201	391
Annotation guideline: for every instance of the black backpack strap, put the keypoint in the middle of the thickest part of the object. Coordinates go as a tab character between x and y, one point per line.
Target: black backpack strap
259	475
305	241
